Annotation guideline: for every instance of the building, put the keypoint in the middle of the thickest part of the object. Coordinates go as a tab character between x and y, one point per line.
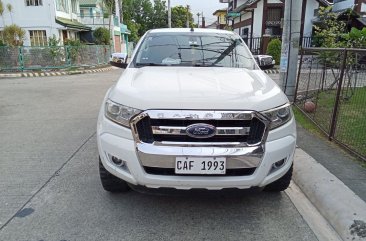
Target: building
221	18
42	19
93	14
213	25
358	7
264	17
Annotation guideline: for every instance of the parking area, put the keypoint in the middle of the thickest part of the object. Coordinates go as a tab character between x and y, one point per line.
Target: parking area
50	188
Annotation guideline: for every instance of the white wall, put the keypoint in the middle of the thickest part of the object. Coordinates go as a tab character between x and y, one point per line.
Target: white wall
363	7
258	19
309	16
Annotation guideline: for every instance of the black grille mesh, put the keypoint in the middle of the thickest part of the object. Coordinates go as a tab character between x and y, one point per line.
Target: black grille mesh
144	130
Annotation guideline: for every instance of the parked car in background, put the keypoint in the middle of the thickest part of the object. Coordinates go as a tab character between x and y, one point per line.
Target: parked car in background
118	58
193	110
265	61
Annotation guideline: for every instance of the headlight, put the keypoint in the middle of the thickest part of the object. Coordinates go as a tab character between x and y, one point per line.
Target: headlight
279	116
119	113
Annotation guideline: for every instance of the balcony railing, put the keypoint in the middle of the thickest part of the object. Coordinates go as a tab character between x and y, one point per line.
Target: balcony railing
94	21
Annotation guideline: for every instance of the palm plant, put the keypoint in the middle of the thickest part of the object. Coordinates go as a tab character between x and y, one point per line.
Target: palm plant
2	11
10	10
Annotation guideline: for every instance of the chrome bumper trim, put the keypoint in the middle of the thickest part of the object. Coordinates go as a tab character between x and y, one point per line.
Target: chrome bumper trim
164	156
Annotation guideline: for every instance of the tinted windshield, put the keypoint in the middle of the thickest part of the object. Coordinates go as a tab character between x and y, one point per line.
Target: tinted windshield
194	49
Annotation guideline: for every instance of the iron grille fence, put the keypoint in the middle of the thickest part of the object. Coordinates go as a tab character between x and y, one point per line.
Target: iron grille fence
331	92
255	44
52	57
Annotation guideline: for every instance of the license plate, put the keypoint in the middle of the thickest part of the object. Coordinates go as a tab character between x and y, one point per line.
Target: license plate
200	165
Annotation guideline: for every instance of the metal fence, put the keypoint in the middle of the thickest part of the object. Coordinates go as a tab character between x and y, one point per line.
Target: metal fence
52	57
256	45
307	42
331	91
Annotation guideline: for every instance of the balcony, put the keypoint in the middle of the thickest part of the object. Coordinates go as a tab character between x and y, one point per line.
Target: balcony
94	21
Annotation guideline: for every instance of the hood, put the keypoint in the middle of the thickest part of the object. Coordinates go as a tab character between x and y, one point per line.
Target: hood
206	88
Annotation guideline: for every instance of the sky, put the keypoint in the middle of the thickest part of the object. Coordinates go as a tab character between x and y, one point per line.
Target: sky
205	6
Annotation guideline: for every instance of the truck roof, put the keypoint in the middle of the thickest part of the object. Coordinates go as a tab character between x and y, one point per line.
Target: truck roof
187	30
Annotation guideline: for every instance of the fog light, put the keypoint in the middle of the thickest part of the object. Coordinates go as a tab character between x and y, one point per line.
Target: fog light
278	164
117	161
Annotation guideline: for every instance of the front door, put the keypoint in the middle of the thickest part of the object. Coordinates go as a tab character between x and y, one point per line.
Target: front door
64	35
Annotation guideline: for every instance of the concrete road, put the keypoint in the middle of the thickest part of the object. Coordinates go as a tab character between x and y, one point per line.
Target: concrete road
50	188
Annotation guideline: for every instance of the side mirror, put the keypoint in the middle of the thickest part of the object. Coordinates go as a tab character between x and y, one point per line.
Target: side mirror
119	65
264	61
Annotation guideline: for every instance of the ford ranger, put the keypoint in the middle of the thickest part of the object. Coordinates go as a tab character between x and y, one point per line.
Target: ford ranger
191	110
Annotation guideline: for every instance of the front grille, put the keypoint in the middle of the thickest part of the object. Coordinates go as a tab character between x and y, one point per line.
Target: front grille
266	61
171	172
146	135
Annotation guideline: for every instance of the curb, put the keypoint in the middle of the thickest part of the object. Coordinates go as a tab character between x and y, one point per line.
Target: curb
341	207
56	73
271	71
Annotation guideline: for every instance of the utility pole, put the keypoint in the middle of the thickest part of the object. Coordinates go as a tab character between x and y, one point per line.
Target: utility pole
198	18
121	10
169	15
188	16
290	47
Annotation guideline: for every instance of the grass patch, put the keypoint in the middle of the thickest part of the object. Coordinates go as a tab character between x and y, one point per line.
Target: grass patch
351	124
304	121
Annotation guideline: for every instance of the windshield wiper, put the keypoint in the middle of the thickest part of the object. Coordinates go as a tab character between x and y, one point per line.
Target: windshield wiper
149	64
207	65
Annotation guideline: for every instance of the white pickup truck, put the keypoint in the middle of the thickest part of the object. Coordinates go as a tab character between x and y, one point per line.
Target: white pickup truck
193	110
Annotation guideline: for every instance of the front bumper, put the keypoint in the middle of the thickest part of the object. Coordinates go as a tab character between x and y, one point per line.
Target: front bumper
118	141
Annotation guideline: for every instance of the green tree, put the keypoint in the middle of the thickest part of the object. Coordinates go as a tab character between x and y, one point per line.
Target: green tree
13	35
355	38
102	36
329	30
138	16
160	16
179	17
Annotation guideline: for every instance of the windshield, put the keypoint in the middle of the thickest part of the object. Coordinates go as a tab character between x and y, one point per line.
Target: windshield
194	49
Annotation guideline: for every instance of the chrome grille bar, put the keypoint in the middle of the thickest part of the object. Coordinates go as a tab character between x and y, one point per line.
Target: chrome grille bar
181	130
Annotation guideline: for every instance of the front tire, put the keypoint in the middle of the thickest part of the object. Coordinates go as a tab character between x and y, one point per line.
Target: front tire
280	184
110	182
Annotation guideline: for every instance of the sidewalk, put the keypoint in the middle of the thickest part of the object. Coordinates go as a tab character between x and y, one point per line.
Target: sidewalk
336	160
54	73
334	183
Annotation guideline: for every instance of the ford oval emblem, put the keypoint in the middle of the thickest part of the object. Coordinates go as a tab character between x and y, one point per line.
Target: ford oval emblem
201	130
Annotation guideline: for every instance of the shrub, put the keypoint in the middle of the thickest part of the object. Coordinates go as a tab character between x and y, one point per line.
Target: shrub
102	36
74	46
274	49
13	35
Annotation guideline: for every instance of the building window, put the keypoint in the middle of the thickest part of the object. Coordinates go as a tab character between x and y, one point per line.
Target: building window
33	2
38	37
273	21
62	5
82	13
